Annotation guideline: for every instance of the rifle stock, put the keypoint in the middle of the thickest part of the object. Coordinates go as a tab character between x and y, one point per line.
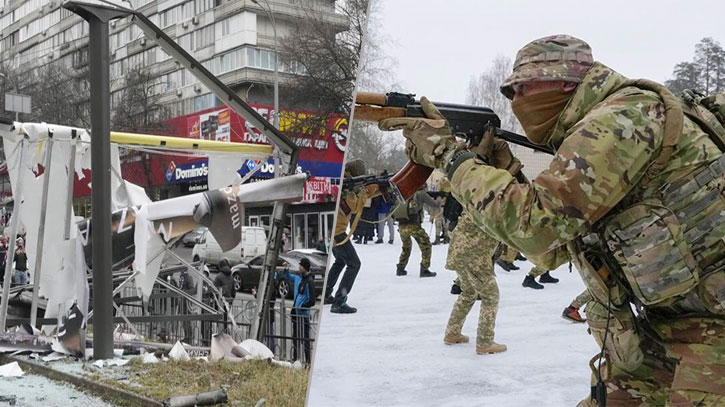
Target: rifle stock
469	122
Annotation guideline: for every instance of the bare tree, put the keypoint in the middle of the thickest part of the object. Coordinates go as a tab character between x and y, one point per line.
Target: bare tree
59	95
138	108
380	150
326	60
483	90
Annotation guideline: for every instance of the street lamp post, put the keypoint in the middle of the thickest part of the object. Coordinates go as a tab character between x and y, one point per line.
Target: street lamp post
268	11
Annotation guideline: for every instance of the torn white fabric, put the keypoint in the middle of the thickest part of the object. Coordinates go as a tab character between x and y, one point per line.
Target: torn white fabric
11	370
178	352
53	357
147	260
256	349
223	170
149	358
72	282
221	348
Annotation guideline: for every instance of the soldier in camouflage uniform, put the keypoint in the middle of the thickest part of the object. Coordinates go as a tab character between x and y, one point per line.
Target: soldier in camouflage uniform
470	254
632	196
409	227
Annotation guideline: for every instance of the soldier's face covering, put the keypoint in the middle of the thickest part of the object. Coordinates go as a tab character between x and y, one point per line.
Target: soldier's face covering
538	112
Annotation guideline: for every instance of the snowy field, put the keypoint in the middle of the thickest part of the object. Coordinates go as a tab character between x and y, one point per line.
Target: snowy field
391	352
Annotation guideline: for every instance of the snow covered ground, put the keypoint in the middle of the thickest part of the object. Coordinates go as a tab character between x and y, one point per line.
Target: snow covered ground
391	352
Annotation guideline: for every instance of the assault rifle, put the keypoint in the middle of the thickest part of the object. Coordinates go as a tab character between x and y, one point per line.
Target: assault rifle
469	122
389	191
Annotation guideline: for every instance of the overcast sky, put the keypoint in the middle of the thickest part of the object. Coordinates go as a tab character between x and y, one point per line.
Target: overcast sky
439	45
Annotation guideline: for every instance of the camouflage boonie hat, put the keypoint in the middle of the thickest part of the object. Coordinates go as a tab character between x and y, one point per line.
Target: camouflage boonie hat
355	168
554	58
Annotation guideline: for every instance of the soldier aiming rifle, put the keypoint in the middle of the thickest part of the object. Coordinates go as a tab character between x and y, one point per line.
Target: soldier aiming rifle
632	197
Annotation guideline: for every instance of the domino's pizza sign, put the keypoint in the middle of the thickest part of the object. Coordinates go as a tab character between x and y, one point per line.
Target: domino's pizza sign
188	172
170	171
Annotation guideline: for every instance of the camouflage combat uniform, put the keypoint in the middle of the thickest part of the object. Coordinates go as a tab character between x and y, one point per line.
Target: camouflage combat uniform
606	141
411	228
415	231
470	255
508	254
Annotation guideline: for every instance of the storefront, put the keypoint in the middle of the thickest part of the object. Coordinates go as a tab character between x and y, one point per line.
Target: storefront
321	155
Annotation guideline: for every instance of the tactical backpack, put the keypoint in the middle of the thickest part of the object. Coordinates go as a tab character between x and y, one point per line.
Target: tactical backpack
409	212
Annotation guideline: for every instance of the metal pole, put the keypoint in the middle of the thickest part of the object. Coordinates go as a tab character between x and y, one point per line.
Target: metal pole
71	181
101	191
97	16
18	198
41	230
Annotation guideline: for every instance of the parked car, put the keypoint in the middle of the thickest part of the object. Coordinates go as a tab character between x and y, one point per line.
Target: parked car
247	275
192	238
254	242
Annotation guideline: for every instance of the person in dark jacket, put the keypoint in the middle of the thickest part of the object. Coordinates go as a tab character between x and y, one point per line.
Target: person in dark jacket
225	281
304	283
21	277
186	284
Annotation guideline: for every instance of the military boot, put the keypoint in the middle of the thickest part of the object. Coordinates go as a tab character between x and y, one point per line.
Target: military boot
401	272
571	313
454	339
520	257
547	278
342	308
456	289
491	348
436	242
329	300
506	265
531	283
424	272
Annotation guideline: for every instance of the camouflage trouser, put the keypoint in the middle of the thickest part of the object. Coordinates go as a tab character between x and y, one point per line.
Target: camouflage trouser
441	230
582	299
536	271
509	255
686	370
475	282
414	230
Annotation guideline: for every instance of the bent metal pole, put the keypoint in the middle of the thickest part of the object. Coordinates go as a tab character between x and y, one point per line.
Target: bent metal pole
41	229
17	199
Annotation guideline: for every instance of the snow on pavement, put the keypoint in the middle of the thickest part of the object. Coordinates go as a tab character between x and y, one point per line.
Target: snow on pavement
391	352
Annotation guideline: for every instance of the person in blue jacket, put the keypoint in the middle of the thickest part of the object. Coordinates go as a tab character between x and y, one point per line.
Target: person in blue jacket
304	298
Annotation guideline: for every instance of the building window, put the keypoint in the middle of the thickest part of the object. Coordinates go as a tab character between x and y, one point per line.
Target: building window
226	27
204	102
204	37
80	57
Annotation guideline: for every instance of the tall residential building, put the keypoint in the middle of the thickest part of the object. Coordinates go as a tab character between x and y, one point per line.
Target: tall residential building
234	39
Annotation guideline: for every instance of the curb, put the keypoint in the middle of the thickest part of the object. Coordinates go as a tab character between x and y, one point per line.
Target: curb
104	391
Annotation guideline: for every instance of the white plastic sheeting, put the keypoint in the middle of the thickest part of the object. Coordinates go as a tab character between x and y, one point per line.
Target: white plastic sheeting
63	275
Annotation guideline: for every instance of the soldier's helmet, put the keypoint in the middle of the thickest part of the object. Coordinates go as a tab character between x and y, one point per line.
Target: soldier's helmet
554	58
355	168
